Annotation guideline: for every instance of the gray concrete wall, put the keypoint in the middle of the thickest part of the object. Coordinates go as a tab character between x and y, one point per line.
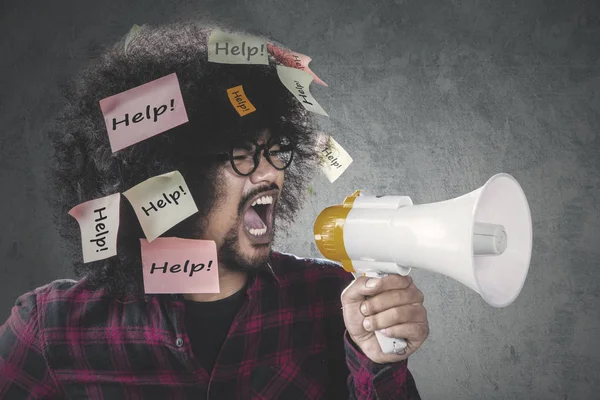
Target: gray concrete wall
431	98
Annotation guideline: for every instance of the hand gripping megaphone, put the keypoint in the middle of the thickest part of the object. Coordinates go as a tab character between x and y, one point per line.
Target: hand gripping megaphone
482	239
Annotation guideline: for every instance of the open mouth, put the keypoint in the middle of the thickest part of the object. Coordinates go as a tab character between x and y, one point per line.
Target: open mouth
258	217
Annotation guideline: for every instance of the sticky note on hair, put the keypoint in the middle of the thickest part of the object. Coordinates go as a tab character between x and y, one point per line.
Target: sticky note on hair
144	111
228	48
99	224
334	160
130	36
161	202
239	101
174	265
298	83
293	60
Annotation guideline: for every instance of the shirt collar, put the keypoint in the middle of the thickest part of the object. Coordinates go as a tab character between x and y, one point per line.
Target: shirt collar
264	276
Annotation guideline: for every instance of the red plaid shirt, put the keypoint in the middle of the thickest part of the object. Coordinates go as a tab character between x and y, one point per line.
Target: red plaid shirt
288	341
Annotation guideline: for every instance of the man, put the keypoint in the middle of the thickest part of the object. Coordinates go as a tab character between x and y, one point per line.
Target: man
280	327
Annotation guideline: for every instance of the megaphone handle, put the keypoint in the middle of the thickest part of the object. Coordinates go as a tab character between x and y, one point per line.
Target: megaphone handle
388	344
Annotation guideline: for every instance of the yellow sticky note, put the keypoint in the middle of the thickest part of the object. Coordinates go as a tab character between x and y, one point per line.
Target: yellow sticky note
131	35
298	82
161	202
99	223
334	160
228	48
239	101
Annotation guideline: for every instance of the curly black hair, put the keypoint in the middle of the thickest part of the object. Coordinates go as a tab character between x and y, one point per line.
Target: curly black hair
85	168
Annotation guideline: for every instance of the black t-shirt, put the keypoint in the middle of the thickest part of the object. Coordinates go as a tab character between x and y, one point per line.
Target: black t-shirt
208	323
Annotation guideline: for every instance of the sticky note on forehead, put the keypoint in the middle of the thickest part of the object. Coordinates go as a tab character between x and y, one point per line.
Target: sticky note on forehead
161	202
239	101
174	265
294	60
228	48
334	160
142	112
298	83
99	224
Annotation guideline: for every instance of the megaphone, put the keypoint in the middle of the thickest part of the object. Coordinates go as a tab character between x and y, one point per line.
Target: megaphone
482	239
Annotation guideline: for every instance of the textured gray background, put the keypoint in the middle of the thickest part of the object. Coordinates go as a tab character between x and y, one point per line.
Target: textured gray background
431	98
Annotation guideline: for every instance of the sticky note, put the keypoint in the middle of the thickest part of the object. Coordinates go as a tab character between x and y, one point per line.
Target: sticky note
144	111
228	48
174	265
99	224
161	202
298	82
293	60
130	36
334	160
239	101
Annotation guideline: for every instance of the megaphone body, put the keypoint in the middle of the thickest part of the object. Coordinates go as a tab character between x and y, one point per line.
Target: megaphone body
482	239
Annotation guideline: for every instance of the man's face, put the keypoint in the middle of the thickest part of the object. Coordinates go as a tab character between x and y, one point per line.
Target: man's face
241	221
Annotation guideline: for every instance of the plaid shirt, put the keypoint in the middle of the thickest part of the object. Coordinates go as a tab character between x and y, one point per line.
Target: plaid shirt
288	341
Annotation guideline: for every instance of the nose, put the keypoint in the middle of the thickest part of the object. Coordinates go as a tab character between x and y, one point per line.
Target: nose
265	172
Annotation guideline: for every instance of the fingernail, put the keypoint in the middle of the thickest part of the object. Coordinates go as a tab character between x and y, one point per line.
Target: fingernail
363	309
371	283
367	324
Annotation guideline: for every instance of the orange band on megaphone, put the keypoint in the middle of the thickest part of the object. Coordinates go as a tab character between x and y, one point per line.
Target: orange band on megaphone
329	232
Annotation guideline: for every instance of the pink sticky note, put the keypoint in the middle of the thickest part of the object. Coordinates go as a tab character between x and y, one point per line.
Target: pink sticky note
293	60
174	265
142	112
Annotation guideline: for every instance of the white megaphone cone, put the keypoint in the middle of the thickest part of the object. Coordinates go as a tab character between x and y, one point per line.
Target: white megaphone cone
482	239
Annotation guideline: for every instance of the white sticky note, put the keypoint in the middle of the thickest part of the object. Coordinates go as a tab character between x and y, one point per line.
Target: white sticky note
227	48
99	224
335	160
298	82
161	202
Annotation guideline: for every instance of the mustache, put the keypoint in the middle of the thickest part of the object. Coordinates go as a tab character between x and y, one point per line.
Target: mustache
253	193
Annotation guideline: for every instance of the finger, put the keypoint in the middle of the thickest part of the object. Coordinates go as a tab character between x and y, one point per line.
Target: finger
373	286
391	298
412	331
353	293
394	316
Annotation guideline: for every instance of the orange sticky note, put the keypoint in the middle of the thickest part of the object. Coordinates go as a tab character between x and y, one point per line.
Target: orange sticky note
239	101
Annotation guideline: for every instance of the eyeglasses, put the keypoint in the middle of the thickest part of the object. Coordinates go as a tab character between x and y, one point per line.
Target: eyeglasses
246	157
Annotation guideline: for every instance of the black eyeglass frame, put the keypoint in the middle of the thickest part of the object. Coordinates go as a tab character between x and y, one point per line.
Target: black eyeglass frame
261	149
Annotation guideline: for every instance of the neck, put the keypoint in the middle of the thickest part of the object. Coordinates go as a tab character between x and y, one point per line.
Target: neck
230	282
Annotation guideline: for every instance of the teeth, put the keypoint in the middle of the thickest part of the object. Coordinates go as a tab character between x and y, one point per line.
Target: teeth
263	200
258	232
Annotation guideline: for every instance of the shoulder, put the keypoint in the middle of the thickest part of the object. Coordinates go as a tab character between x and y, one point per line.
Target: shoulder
31	307
62	291
63	302
291	269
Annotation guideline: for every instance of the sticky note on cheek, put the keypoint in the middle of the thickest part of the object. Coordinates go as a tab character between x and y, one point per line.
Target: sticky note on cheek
334	160
99	224
298	83
142	112
174	265
239	101
161	202
227	48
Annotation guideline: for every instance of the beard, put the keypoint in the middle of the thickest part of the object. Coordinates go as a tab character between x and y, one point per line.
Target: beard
231	255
